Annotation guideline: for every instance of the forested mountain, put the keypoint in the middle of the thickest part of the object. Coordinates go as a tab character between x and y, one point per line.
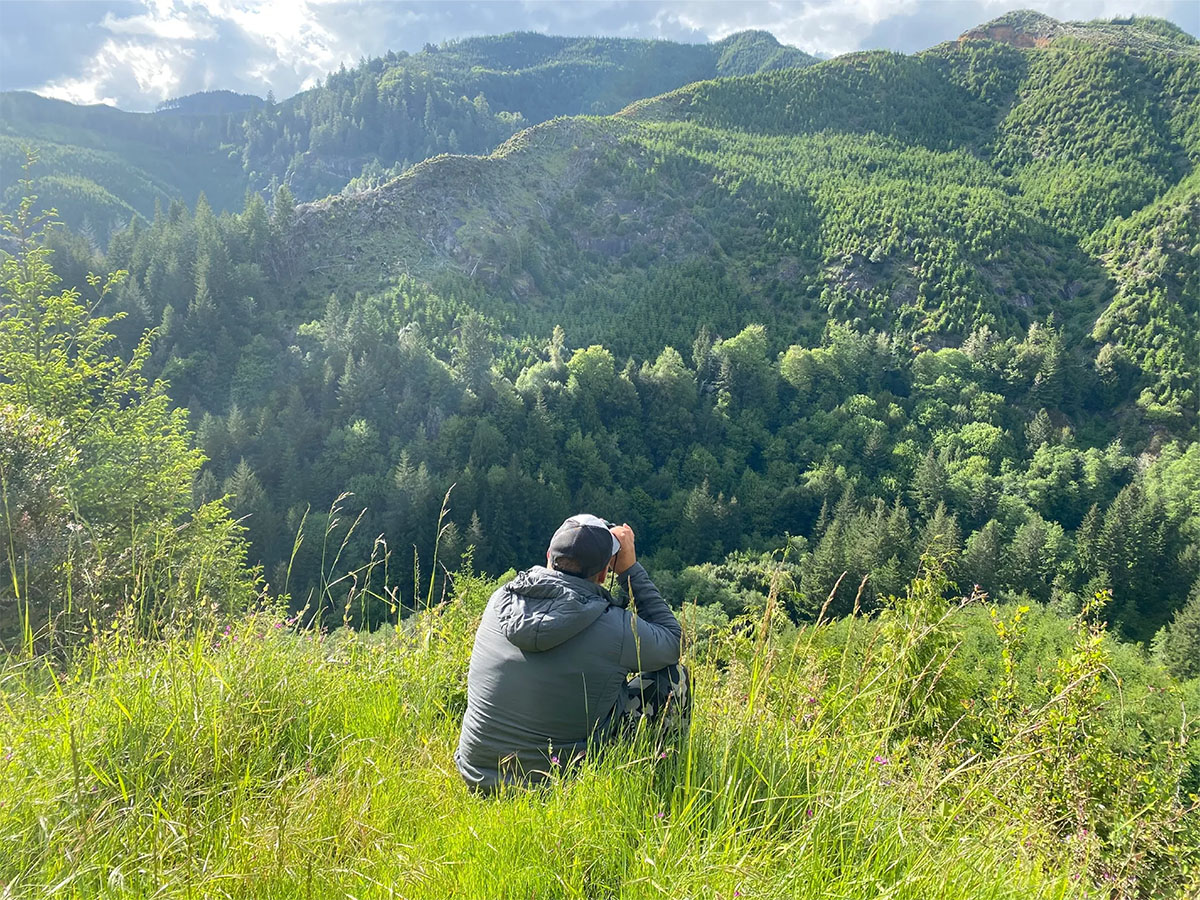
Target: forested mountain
210	103
855	312
357	128
100	166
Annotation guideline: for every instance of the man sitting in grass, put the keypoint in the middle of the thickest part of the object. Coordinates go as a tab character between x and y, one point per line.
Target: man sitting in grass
549	670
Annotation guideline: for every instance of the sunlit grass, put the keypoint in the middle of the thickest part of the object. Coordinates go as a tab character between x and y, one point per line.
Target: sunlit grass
258	761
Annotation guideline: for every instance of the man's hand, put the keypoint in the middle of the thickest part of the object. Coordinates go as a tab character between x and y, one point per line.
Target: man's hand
626	556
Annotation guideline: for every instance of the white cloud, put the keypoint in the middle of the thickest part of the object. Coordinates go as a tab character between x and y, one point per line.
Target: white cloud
161	21
123	69
825	27
289	29
174	47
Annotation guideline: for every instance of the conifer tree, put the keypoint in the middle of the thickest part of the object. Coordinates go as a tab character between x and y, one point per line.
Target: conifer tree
1178	645
982	558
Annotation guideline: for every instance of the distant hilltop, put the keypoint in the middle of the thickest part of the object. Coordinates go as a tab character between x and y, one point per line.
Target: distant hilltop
1026	29
210	103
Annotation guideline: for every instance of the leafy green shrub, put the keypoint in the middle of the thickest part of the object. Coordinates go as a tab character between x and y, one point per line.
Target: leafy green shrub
101	511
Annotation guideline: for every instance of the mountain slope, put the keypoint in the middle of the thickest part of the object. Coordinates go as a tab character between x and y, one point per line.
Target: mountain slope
359	127
968	186
1027	28
1154	317
116	163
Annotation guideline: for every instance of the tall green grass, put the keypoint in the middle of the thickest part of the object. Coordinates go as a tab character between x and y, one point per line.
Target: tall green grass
848	759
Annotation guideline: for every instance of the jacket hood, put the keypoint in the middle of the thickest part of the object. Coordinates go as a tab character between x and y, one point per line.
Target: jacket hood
541	608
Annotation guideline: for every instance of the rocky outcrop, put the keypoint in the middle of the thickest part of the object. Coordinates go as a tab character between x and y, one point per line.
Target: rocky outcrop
1005	34
1022	29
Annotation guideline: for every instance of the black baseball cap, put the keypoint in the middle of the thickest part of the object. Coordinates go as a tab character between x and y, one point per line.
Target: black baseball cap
587	540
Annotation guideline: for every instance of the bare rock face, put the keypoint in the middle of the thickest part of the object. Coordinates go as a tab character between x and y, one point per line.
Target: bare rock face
1005	34
1023	29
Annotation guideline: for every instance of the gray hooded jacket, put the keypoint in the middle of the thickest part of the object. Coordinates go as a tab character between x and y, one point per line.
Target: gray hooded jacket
550	661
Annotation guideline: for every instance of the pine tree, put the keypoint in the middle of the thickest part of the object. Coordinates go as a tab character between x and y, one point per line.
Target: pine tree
476	539
982	557
1039	430
239	429
557	346
245	491
942	539
1178	645
929	483
703	360
283	210
472	352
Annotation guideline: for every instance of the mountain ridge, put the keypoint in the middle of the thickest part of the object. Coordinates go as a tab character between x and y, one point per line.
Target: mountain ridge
358	126
983	98
1028	28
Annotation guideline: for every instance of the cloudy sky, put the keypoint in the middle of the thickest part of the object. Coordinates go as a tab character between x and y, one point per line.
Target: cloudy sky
137	53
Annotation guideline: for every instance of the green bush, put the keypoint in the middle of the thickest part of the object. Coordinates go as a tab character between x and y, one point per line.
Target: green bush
96	466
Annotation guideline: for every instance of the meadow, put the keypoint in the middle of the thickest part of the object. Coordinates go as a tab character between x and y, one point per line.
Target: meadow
942	748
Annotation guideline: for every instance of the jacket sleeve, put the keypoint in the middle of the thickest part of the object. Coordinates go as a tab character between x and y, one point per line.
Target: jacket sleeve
652	637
